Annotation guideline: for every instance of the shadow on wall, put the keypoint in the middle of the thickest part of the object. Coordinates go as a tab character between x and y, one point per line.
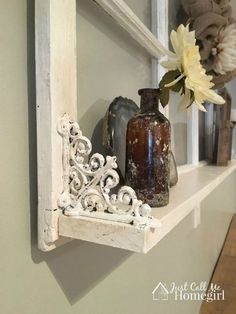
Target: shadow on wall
90	121
78	266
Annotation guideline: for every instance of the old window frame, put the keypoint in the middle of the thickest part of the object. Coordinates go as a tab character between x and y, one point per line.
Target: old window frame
56	84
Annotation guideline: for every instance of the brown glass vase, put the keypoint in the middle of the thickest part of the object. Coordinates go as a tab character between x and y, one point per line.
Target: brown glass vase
147	148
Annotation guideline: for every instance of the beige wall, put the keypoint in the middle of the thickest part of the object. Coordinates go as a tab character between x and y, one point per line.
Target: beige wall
81	277
111	64
107	66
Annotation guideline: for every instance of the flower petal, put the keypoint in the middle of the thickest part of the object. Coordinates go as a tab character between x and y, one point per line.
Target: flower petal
171	64
213	97
200	106
187	60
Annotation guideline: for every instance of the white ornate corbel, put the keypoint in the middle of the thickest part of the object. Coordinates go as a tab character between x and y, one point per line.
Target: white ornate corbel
87	183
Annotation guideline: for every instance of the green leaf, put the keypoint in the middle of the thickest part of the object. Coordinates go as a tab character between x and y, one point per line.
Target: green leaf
169	77
191	99
177	87
164	96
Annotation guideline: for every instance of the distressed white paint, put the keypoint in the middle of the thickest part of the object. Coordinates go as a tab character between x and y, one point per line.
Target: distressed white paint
55	23
56	94
193	135
126	18
104	232
192	188
88	182
186	197
160	28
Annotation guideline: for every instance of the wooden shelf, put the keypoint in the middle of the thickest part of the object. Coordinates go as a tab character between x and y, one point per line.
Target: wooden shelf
185	198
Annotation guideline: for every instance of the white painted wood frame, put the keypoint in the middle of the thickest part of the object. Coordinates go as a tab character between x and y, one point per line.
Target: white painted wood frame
193	136
56	82
160	28
127	19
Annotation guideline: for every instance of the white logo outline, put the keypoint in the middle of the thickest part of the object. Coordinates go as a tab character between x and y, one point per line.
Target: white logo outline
160	293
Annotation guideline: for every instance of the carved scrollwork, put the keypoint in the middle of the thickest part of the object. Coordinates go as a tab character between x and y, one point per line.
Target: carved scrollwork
87	183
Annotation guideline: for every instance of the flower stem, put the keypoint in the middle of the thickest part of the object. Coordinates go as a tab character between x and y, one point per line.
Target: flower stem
175	81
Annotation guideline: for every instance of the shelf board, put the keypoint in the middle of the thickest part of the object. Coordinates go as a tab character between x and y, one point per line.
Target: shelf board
185	197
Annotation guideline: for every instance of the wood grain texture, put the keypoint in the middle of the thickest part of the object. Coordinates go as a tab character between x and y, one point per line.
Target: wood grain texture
104	232
225	276
186	198
56	94
55	24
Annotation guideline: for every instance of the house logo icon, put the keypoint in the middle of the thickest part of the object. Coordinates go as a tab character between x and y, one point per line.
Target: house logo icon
160	293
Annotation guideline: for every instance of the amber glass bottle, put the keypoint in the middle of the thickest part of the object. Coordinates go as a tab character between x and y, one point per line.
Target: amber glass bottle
147	148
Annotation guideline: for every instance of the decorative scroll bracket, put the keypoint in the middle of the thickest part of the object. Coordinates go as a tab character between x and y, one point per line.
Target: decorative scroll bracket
87	183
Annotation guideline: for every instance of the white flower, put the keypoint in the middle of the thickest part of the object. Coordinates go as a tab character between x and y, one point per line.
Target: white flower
197	84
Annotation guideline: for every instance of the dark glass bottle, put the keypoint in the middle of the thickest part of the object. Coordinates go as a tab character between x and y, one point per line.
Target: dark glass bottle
147	149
